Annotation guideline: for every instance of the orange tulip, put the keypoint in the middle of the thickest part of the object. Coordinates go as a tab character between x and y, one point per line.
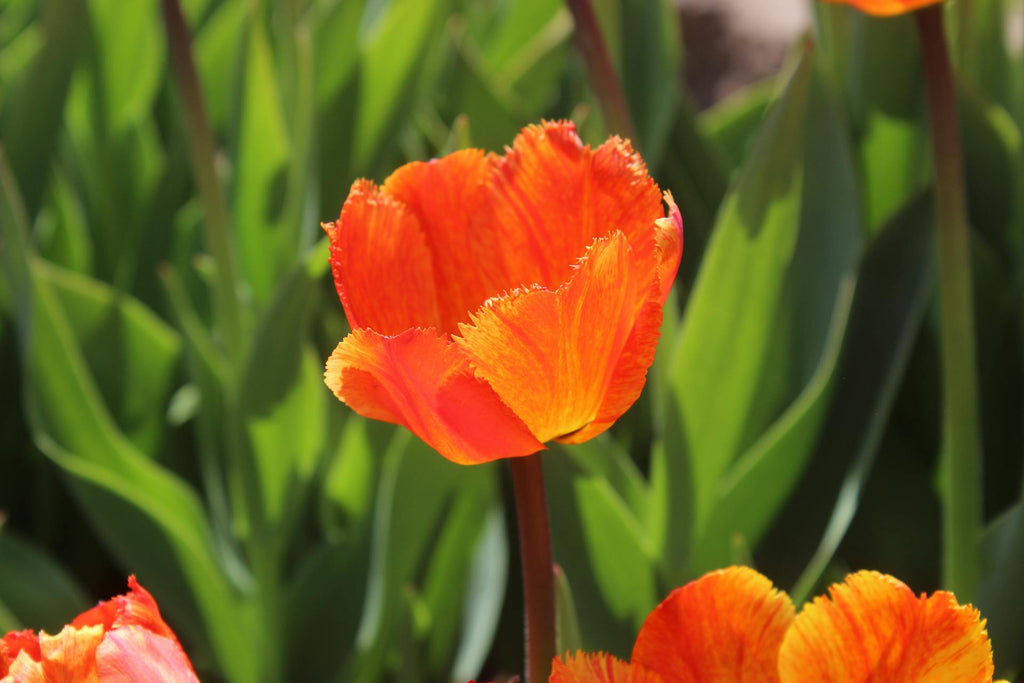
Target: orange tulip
501	302
887	8
732	625
122	640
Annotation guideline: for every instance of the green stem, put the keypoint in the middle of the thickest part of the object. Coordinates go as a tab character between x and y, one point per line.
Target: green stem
962	454
590	41
538	568
202	151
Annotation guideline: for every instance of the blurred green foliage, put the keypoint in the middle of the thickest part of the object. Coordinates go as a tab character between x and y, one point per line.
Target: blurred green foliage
790	420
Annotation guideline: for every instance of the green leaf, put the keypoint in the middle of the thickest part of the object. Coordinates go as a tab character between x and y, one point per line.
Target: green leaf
484	596
567	624
894	287
283	400
758	345
337	48
130	48
447	576
323	607
35	590
604	551
391	52
733	122
417	487
998	598
264	247
651	65
218	49
877	65
130	352
992	166
28	129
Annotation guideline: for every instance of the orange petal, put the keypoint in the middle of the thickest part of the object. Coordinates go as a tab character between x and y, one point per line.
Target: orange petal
381	264
724	627
420	380
446	197
875	629
135	608
70	655
627	380
13	643
552	355
134	653
551	196
669	245
887	8
598	668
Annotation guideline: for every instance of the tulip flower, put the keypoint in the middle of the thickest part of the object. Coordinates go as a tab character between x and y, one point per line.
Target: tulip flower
122	640
732	625
887	8
501	302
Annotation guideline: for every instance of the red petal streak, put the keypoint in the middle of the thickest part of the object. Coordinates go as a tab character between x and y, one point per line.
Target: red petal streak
724	627
551	355
381	264
446	197
420	380
551	196
875	629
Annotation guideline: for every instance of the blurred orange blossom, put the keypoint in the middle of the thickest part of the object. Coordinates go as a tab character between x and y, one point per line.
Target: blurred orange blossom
501	302
732	625
121	640
887	8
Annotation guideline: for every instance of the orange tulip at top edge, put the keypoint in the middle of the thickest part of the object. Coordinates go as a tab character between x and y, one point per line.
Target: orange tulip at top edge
501	302
887	8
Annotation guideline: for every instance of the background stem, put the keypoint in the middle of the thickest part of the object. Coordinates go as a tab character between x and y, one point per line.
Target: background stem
961	450
603	78
538	572
202	152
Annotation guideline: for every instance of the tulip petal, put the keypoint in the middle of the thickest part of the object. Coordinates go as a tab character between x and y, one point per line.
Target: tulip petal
627	380
669	244
875	629
13	643
887	8
724	627
551	196
598	668
551	355
70	655
135	608
420	380
134	653
381	265
446	197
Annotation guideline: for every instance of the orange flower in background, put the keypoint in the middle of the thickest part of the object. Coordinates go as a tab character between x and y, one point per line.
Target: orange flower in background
122	640
887	8
732	625
501	302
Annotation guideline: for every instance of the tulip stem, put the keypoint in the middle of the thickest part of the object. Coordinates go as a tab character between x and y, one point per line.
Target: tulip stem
202	151
538	567
961	438
605	81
